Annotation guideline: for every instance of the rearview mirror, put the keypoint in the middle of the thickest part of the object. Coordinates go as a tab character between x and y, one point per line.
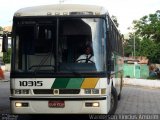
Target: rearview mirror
5	43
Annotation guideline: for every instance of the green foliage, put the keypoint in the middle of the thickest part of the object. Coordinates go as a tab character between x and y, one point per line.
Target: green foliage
151	50
7	56
128	49
129	45
114	18
148	27
1	29
147	37
153	78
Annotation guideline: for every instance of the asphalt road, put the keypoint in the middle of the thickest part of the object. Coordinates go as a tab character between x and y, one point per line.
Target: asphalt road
4	97
134	100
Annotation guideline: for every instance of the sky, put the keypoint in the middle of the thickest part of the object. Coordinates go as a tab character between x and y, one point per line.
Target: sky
125	10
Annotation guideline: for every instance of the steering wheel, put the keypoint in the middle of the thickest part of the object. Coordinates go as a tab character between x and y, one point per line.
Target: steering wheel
84	60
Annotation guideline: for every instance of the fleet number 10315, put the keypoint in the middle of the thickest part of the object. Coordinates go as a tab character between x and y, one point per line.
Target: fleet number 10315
31	83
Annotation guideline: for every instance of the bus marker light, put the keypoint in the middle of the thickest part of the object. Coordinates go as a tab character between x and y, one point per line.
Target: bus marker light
56	91
97	13
25	91
57	13
95	91
65	13
17	14
87	91
49	13
17	91
103	91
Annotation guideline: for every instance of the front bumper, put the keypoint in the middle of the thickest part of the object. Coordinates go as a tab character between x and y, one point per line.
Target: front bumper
73	105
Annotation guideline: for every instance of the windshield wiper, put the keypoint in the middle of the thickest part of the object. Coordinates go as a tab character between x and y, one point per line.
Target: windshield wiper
70	69
42	64
39	66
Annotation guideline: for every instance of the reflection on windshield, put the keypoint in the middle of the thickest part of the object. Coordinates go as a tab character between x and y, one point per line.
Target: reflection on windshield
79	47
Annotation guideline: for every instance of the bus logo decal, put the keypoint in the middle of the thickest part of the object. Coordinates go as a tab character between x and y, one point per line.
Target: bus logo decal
74	83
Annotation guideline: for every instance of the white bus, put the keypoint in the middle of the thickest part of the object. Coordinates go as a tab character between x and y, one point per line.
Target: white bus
45	77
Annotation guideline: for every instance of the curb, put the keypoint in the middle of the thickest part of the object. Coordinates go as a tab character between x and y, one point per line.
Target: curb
142	82
4	80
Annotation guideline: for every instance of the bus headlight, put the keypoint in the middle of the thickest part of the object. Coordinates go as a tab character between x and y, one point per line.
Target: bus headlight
22	91
95	104
20	104
92	104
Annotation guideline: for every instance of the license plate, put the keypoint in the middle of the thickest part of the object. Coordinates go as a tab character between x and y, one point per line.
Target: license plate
56	104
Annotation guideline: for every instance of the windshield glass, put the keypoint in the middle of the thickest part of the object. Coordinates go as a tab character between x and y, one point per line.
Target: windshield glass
63	45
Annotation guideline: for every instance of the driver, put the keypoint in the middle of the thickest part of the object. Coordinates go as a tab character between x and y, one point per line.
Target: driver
87	57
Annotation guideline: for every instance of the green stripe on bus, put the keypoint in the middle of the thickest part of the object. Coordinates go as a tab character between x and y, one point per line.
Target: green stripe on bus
75	83
60	83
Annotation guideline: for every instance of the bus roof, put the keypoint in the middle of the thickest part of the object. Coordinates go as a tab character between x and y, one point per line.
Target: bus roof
61	9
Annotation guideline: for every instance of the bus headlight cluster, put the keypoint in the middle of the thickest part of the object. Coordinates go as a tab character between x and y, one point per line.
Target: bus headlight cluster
18	91
95	91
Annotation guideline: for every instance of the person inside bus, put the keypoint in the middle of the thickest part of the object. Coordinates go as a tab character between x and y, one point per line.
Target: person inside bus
87	57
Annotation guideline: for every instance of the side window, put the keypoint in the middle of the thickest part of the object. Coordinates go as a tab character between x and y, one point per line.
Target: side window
116	41
112	62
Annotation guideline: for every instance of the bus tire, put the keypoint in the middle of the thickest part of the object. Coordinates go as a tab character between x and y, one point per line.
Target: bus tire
119	96
114	101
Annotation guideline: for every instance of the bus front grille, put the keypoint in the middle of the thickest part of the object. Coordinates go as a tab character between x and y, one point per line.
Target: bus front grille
61	91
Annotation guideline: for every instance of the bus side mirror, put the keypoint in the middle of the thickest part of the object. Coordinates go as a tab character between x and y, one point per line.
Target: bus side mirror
5	43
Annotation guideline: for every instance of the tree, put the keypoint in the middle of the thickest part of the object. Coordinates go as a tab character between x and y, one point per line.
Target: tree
7	56
1	29
148	26
129	45
147	30
114	18
151	50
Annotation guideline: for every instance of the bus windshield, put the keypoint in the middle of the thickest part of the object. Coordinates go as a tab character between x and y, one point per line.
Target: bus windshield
58	45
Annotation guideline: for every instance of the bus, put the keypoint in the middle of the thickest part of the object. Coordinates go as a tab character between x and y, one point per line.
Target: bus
45	77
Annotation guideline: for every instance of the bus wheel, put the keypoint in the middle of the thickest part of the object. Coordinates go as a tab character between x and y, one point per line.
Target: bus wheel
119	96
114	101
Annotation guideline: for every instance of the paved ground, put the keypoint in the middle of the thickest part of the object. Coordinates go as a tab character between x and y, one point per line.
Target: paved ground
139	100
4	97
142	82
